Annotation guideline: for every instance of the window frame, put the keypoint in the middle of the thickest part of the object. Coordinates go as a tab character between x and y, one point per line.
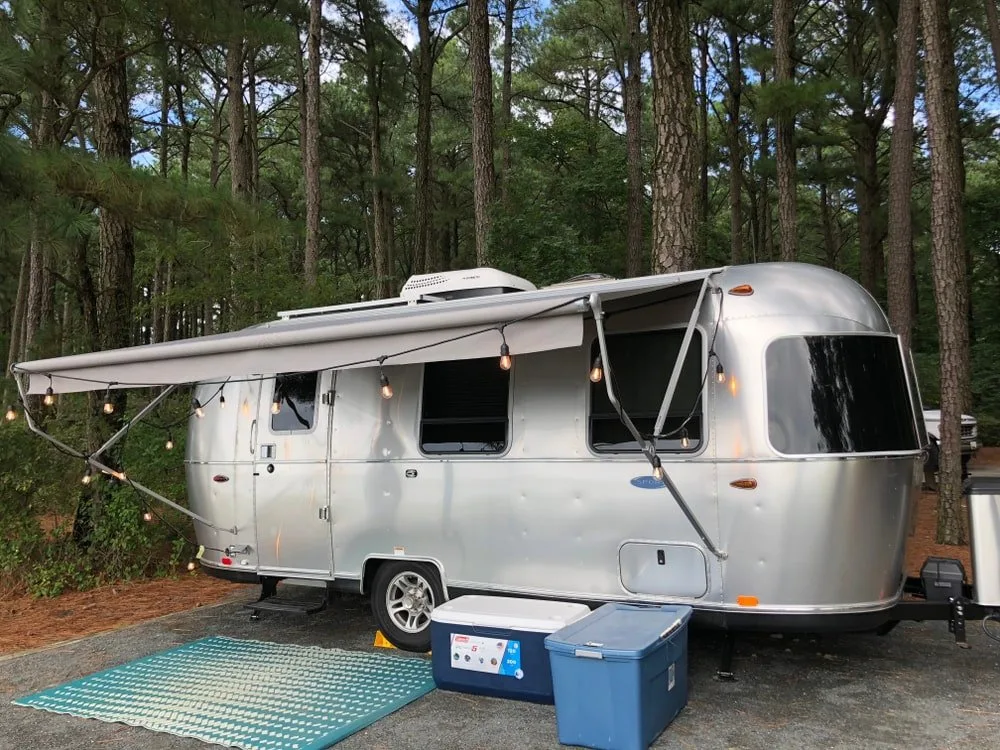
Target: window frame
465	456
765	422
632	453
316	415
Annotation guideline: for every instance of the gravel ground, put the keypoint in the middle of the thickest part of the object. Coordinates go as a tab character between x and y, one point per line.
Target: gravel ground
913	688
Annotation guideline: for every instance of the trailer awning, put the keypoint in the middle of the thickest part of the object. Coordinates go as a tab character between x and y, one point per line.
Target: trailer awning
531	321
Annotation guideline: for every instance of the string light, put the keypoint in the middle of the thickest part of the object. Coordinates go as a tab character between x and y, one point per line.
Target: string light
11	413
198	410
191	566
657	468
108	408
147	516
169	445
276	403
720	373
505	359
50	396
596	370
385	386
684	439
88	476
222	399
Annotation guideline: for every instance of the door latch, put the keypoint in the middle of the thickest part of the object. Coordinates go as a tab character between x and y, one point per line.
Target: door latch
324	513
267	450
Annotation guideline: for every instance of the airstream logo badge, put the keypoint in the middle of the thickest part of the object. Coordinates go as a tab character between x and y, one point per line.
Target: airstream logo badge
647	483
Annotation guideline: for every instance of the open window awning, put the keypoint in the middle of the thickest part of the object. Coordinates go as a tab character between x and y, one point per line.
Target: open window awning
532	321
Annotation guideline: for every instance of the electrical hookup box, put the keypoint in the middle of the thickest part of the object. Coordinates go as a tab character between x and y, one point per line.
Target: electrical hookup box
493	645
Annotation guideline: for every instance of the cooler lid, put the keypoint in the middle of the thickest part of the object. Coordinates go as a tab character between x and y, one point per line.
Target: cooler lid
531	615
621	630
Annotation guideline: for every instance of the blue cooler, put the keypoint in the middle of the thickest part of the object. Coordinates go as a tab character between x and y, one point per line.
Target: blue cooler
620	675
494	645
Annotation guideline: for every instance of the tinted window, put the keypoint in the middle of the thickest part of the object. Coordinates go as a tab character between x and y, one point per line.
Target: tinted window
838	394
464	407
641	364
296	398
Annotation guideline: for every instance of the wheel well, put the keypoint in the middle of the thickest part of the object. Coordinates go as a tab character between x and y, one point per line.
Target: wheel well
372	564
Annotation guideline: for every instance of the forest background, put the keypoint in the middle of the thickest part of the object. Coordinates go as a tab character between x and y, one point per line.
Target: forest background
173	168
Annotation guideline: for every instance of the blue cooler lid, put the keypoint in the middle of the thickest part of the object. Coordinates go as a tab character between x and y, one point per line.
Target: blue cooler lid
620	630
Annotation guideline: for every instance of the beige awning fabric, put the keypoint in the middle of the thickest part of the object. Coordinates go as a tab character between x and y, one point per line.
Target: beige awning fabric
532	321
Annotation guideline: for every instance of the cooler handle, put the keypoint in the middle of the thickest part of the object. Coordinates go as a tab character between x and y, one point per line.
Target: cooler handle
587	654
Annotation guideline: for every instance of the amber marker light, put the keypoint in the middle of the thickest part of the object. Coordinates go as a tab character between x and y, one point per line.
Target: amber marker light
744	484
742	290
747	601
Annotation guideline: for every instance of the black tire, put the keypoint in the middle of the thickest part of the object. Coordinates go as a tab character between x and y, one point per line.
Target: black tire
403	577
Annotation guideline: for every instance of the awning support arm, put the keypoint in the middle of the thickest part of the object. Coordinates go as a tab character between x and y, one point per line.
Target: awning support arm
648	448
137	418
675	375
91	461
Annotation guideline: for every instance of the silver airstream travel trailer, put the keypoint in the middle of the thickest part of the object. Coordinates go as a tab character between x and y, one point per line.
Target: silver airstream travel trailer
746	440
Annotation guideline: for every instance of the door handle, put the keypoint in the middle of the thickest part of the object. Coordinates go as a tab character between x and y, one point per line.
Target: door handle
253	437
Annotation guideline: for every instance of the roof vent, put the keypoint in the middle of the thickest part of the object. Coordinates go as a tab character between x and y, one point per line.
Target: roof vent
474	282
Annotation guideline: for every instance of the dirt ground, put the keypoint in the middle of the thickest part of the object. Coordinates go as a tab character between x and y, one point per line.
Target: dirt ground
27	623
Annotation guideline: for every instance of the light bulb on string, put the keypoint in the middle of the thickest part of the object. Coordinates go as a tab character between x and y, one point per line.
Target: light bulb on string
385	388
657	468
191	566
50	396
169	445
506	362
596	370
198	410
222	399
685	442
109	407
147	516
11	414
720	373
88	476
276	403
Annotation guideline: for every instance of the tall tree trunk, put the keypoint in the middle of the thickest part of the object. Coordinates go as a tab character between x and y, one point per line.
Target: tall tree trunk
240	177
113	139
947	257
703	137
635	262
381	216
993	25
901	284
826	215
185	152
735	77
675	163
867	195
424	255
784	72
252	125
506	96
16	348
313	198
482	126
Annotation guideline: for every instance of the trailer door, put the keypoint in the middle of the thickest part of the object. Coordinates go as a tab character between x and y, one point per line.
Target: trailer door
291	475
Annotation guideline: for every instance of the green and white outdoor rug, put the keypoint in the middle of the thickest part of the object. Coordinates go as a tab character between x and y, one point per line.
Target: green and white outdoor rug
247	694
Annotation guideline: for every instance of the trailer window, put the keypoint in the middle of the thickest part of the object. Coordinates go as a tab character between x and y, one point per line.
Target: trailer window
838	394
464	407
641	364
295	396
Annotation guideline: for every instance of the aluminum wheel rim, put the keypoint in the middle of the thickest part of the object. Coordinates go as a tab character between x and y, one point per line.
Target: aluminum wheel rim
409	600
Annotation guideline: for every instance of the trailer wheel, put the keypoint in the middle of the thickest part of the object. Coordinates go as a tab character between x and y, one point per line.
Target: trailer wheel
403	595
